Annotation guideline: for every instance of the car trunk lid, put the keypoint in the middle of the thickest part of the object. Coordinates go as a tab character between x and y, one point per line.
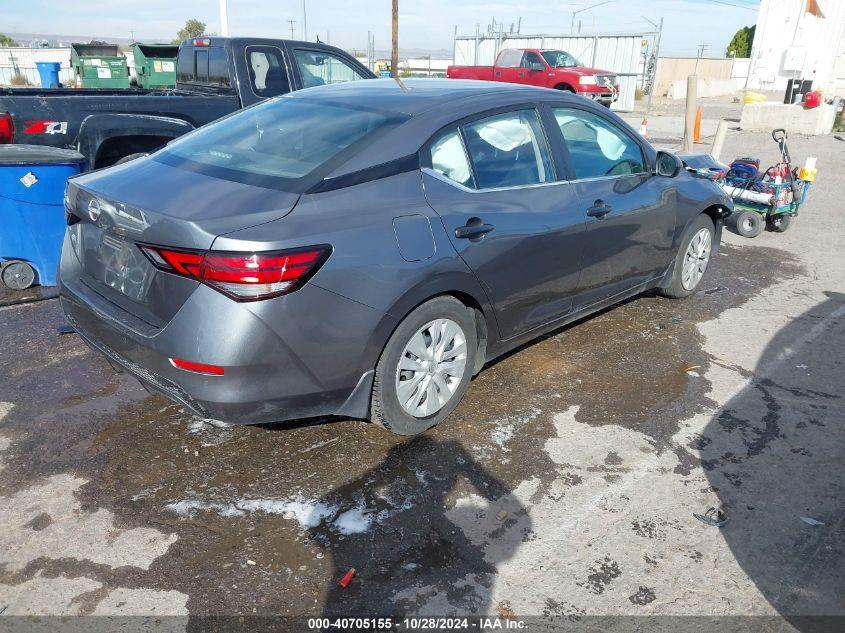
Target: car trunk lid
146	202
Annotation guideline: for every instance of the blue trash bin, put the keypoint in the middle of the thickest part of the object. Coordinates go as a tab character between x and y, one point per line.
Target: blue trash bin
49	73
32	217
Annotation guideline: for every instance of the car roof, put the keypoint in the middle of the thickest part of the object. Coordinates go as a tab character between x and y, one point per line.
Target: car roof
414	96
428	104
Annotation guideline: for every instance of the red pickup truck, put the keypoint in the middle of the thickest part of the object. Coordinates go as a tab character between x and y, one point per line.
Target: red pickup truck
546	68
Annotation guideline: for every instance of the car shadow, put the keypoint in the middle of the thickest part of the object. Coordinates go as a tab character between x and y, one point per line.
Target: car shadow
425	528
774	456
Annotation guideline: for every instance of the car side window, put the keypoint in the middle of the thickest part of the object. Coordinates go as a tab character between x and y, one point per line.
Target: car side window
531	58
510	58
509	150
596	146
318	68
268	76
449	158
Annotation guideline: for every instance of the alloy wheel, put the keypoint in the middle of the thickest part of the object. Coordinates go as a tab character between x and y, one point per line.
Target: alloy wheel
696	259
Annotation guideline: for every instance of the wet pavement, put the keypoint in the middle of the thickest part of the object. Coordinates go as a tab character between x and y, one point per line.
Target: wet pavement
563	487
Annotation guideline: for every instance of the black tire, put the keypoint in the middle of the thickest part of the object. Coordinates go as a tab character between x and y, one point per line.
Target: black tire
748	223
385	408
778	223
674	289
126	159
18	275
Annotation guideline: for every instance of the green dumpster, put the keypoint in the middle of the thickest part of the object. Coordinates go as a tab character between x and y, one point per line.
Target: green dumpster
99	66
155	65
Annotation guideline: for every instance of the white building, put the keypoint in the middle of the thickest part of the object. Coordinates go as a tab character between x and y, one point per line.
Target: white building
21	61
791	43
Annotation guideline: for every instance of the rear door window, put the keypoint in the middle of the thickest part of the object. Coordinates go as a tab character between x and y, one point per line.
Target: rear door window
510	58
597	147
448	157
268	75
509	150
318	68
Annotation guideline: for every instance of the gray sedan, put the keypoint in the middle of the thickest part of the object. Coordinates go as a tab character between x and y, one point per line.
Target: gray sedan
363	249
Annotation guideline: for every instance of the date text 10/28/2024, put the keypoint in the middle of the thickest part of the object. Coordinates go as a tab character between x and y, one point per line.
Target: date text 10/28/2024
414	624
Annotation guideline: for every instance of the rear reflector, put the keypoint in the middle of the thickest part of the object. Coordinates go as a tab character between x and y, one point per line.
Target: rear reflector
197	368
7	129
243	276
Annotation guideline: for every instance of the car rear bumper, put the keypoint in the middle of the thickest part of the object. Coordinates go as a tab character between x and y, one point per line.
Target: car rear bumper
307	354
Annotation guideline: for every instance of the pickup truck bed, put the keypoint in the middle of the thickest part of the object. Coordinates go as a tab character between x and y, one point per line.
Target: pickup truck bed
215	76
106	125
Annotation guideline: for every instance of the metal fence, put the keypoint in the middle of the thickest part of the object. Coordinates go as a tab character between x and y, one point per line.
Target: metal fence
31	74
620	54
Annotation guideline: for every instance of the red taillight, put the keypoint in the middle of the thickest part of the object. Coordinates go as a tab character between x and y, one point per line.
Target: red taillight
7	129
202	42
243	276
197	368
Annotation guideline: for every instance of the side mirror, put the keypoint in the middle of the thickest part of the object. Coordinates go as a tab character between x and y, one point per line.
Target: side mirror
667	164
536	66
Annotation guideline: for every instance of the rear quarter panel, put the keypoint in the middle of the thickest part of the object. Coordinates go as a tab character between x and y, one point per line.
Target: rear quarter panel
366	265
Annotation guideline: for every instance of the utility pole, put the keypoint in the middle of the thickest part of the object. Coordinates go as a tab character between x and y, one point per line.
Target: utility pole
224	19
701	49
659	28
292	23
394	52
304	23
132	34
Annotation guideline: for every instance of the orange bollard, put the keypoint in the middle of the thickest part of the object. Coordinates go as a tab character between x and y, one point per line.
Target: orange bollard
696	134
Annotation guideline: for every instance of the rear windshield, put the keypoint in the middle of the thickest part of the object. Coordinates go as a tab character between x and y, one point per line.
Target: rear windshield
280	143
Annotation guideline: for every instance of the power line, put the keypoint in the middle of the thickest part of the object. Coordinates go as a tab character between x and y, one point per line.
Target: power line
731	4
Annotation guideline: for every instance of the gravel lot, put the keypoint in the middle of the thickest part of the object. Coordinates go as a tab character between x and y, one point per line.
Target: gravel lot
565	486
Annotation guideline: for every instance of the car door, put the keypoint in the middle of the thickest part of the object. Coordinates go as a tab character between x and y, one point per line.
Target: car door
493	182
525	75
507	65
630	213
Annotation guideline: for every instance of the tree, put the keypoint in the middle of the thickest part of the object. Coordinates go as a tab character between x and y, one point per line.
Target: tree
7	41
741	43
192	29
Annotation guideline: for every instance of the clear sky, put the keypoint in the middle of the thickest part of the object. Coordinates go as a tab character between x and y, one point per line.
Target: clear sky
427	24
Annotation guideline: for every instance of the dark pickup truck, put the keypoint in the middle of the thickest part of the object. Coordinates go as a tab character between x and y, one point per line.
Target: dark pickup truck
214	76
